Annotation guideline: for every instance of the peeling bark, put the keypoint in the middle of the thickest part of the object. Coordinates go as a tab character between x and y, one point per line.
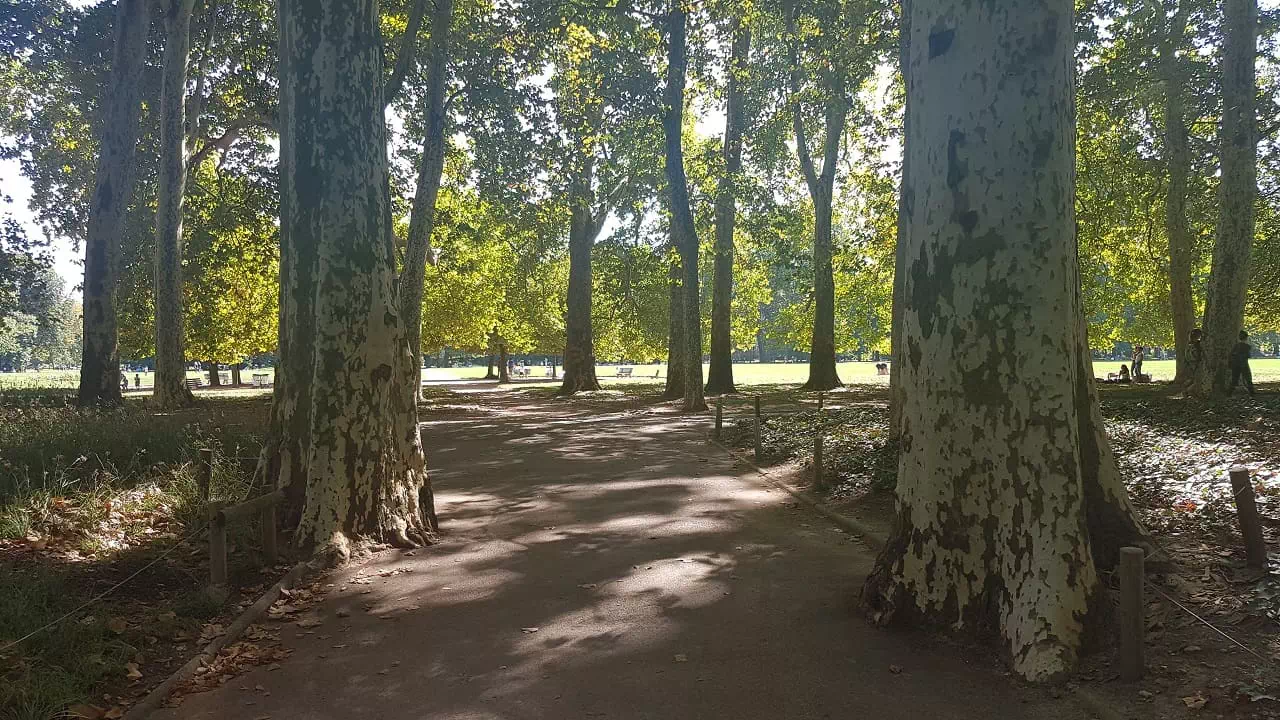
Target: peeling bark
897	344
171	390
344	347
1228	279
720	371
991	531
683	233
112	191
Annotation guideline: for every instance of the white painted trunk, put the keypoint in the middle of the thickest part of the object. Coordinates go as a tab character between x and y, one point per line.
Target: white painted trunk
364	465
991	527
171	367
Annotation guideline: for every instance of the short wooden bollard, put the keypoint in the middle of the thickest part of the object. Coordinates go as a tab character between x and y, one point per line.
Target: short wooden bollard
1132	620
1255	545
204	474
217	545
759	431
819	481
719	416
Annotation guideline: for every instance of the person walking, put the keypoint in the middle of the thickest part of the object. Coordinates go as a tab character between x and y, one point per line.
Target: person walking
1238	361
1138	356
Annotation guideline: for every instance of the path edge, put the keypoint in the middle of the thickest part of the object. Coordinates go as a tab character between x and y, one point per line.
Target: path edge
161	692
874	540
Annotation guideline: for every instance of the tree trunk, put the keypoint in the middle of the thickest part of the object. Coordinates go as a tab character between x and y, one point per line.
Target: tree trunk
504	376
822	353
675	334
821	185
171	390
113	188
579	343
1228	279
896	340
422	214
235	374
683	232
720	371
364	469
215	377
488	373
991	529
1178	160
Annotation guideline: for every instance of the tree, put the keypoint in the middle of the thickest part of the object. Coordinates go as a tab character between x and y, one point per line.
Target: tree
21	266
1001	473
1237	193
683	234
113	186
1178	160
343	434
676	345
720	371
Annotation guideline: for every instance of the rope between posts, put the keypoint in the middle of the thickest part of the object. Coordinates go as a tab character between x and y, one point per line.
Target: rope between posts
1206	623
104	593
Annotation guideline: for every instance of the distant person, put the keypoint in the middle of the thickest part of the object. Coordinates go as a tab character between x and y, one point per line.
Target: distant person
124	383
1139	354
1238	361
137	381
1124	374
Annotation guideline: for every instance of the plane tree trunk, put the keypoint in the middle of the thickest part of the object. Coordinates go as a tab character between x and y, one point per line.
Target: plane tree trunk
112	191
720	371
584	225
1003	469
675	334
171	390
1178	161
683	233
361	464
1237	191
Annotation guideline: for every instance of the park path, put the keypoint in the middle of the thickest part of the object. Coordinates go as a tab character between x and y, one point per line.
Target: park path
606	564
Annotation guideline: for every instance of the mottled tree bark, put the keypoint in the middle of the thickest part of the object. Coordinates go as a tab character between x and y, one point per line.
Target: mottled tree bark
1178	162
991	530
113	188
821	185
171	367
423	212
683	233
720	371
235	374
675	334
584	225
1228	279
215	377
364	467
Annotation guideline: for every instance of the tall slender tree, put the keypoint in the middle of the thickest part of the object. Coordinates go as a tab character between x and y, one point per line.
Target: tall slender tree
675	331
1177	154
113	188
683	233
171	367
1237	192
720	371
1003	474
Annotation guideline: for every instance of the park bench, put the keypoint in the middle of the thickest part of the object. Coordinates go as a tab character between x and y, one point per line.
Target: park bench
193	383
260	379
624	372
520	371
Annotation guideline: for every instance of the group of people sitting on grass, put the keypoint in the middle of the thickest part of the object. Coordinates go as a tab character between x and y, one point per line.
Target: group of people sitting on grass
1237	362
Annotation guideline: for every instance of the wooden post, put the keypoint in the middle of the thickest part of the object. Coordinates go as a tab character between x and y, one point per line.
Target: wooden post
819	481
1132	620
759	431
204	474
269	550
819	402
217	546
1255	546
719	415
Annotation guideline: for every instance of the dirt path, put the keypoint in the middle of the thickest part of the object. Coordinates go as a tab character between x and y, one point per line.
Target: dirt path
663	582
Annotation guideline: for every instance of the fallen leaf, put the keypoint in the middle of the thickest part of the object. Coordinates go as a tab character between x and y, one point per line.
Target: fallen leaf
310	622
115	713
895	669
117	625
1195	702
681	657
529	630
132	672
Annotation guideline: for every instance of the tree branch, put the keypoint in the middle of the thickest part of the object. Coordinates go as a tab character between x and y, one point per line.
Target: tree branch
797	121
223	142
408	48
